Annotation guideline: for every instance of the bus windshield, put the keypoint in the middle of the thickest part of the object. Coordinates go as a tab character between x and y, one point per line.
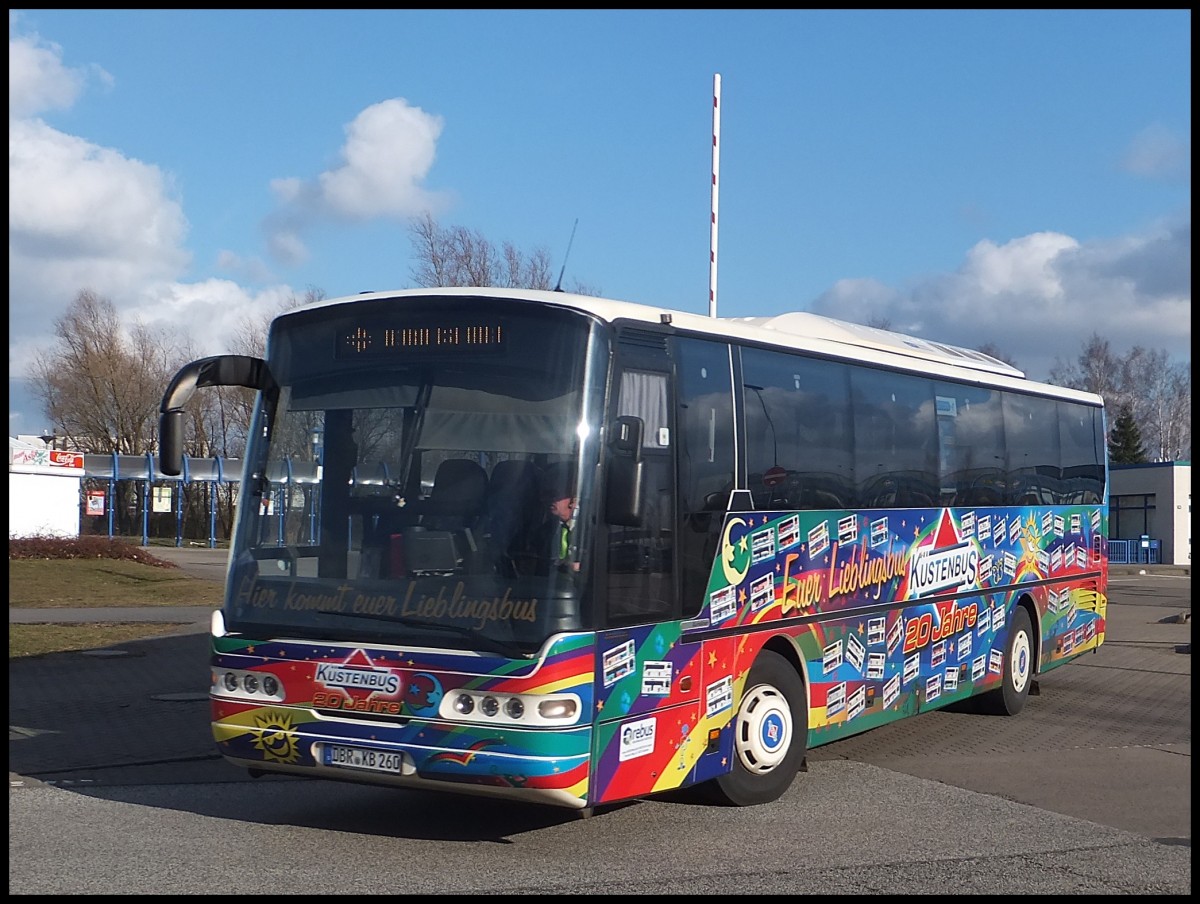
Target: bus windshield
421	478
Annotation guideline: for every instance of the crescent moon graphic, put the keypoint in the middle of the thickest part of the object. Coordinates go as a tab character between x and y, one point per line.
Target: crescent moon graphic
732	575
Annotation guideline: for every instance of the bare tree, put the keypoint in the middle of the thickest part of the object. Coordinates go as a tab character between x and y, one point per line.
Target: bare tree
100	384
1163	409
251	336
1158	393
1176	437
993	350
1097	369
457	256
221	416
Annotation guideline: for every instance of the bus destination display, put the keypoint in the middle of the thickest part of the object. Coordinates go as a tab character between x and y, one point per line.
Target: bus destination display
379	340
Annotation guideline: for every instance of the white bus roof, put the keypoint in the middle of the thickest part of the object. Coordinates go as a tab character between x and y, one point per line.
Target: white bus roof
798	330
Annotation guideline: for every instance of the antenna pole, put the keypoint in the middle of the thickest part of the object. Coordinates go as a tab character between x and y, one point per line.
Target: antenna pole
716	184
570	242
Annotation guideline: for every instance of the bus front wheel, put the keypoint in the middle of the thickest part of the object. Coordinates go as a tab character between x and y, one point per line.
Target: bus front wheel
1009	699
770	735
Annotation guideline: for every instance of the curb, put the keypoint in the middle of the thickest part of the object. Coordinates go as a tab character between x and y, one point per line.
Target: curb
1180	570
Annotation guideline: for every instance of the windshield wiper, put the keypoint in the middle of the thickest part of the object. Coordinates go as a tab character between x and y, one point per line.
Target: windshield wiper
512	651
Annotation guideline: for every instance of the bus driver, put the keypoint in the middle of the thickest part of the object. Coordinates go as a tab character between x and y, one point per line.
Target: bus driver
555	543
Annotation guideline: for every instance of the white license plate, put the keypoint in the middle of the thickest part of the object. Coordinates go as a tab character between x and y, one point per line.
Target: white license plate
363	758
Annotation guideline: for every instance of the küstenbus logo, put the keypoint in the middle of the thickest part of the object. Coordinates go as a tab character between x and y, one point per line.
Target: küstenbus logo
358	673
940	569
945	561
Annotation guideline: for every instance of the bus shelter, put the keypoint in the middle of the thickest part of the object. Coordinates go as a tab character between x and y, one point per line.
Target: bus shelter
128	495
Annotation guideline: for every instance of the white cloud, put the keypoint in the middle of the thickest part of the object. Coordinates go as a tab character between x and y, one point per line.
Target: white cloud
1158	152
247	269
389	150
287	247
82	216
1024	266
208	313
37	79
1039	297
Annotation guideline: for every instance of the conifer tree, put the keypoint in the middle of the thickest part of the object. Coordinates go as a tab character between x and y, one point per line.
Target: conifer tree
1125	442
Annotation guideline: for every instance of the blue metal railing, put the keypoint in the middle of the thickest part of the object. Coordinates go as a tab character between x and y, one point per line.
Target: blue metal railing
1133	552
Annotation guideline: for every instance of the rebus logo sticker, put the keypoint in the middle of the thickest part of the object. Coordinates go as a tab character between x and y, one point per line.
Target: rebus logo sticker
637	739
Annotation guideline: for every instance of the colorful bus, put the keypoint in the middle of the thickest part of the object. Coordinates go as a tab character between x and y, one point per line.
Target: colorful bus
779	532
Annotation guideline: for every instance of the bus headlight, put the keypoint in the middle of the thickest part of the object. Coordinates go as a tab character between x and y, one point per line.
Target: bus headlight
559	709
242	684
527	710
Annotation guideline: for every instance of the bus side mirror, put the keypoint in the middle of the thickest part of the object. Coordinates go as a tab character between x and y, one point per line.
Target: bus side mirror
626	473
170	442
218	370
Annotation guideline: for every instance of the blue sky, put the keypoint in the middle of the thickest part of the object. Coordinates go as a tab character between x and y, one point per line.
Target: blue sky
1020	178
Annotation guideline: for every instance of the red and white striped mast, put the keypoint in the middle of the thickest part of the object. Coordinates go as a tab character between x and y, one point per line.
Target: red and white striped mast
716	165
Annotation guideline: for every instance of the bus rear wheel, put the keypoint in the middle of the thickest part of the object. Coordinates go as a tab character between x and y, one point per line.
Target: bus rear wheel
770	735
1009	699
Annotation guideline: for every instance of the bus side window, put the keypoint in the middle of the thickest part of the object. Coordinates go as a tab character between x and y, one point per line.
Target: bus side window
641	558
799	441
704	452
970	445
1031	434
895	439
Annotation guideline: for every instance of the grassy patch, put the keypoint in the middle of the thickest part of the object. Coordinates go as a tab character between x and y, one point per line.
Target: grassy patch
93	573
102	583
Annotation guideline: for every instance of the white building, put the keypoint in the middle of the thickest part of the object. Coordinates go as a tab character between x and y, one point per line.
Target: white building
1153	500
43	489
